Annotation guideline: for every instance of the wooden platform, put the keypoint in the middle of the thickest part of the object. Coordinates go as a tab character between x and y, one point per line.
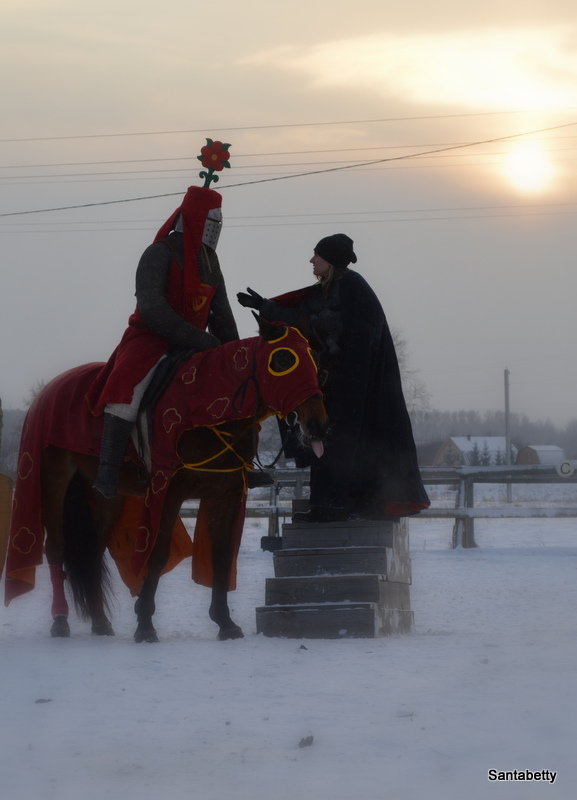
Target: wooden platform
339	579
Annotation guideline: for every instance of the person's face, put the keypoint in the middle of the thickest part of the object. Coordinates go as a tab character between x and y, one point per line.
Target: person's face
321	267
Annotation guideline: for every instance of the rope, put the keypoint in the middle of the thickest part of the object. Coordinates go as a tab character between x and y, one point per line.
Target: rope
200	465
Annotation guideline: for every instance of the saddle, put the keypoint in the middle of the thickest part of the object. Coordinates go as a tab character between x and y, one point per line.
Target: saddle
161	379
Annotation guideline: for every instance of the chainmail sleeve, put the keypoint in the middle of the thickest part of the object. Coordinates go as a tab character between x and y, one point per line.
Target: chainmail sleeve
157	313
221	321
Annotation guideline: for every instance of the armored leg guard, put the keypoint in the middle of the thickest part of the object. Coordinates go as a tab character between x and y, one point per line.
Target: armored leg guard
115	435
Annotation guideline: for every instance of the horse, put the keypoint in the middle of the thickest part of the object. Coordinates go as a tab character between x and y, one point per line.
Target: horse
203	439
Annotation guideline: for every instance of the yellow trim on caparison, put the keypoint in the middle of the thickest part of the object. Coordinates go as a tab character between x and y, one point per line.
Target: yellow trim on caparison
280	338
286	371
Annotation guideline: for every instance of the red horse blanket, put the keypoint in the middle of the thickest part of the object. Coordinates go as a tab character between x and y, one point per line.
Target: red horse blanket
210	388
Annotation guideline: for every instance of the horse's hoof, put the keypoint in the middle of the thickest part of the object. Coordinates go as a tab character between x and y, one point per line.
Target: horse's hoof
230	632
103	628
60	627
145	635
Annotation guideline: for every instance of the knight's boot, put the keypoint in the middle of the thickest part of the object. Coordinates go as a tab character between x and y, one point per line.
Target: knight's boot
115	436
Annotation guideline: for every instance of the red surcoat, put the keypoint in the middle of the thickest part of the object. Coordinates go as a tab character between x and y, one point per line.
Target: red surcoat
140	348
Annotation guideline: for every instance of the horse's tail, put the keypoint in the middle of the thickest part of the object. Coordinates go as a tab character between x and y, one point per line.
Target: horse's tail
84	563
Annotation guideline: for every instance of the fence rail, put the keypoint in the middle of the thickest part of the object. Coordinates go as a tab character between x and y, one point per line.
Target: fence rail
465	478
462	478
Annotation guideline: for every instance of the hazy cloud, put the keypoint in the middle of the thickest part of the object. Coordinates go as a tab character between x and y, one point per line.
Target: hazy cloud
528	68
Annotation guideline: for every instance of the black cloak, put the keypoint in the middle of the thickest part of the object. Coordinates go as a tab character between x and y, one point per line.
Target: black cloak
370	467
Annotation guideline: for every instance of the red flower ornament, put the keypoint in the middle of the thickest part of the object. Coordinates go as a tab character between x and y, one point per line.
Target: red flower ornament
214	156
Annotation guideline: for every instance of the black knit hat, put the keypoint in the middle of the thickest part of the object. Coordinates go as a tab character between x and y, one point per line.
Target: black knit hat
337	250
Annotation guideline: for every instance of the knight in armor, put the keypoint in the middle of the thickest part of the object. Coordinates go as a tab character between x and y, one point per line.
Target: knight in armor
181	305
369	468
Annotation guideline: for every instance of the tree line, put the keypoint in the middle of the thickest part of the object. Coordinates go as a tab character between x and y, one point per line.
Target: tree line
432	427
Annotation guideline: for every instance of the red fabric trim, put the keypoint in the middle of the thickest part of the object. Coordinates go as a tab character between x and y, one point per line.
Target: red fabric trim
403	509
292	299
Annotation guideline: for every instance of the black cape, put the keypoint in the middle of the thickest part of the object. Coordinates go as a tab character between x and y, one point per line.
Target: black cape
370	464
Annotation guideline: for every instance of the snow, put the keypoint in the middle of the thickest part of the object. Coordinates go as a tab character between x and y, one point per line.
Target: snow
487	680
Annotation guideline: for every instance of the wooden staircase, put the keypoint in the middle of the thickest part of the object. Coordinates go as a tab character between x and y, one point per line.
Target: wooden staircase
339	579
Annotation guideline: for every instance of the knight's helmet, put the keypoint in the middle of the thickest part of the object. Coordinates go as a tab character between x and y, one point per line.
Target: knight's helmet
199	217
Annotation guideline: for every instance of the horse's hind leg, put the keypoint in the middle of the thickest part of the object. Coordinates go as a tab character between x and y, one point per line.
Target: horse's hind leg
72	548
85	518
60	626
56	473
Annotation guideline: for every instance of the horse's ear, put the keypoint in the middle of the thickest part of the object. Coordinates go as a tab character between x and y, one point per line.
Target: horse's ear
268	330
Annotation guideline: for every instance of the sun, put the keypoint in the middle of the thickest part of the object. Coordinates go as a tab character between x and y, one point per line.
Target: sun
528	168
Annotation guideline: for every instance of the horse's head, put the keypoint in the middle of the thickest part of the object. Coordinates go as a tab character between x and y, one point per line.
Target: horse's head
288	380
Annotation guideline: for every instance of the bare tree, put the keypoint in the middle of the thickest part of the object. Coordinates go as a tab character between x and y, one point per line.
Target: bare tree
417	395
34	392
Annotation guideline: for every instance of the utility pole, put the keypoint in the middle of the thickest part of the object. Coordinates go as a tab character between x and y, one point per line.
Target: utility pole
507	431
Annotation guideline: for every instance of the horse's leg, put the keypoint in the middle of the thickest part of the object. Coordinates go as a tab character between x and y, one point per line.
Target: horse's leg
60	626
72	546
83	545
222	510
101	516
56	473
145	604
144	609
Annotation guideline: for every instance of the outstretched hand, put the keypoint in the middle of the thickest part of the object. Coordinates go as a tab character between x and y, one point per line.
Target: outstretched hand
250	300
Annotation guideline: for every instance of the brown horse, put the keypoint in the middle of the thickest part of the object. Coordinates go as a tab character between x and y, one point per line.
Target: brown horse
203	441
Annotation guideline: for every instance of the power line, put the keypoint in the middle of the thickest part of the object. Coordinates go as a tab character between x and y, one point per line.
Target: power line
260	127
244	155
337	217
303	174
302	223
349	213
49	178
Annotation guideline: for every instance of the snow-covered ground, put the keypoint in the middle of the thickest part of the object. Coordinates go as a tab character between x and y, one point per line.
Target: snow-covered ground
486	681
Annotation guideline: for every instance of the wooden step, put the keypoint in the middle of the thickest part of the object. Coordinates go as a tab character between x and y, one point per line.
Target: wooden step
330	561
324	621
359	533
385	561
332	621
337	589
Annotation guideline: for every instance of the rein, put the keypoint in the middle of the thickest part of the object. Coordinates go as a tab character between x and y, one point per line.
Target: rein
200	466
284	438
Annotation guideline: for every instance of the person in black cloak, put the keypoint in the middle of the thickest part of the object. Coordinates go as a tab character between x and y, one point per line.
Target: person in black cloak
369	468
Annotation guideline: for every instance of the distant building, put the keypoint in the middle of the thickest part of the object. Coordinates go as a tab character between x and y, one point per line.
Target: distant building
548	454
473	451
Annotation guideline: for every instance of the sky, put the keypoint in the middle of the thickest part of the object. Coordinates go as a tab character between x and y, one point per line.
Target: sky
440	138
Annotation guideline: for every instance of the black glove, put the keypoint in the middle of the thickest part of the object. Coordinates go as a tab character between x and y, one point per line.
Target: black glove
250	300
